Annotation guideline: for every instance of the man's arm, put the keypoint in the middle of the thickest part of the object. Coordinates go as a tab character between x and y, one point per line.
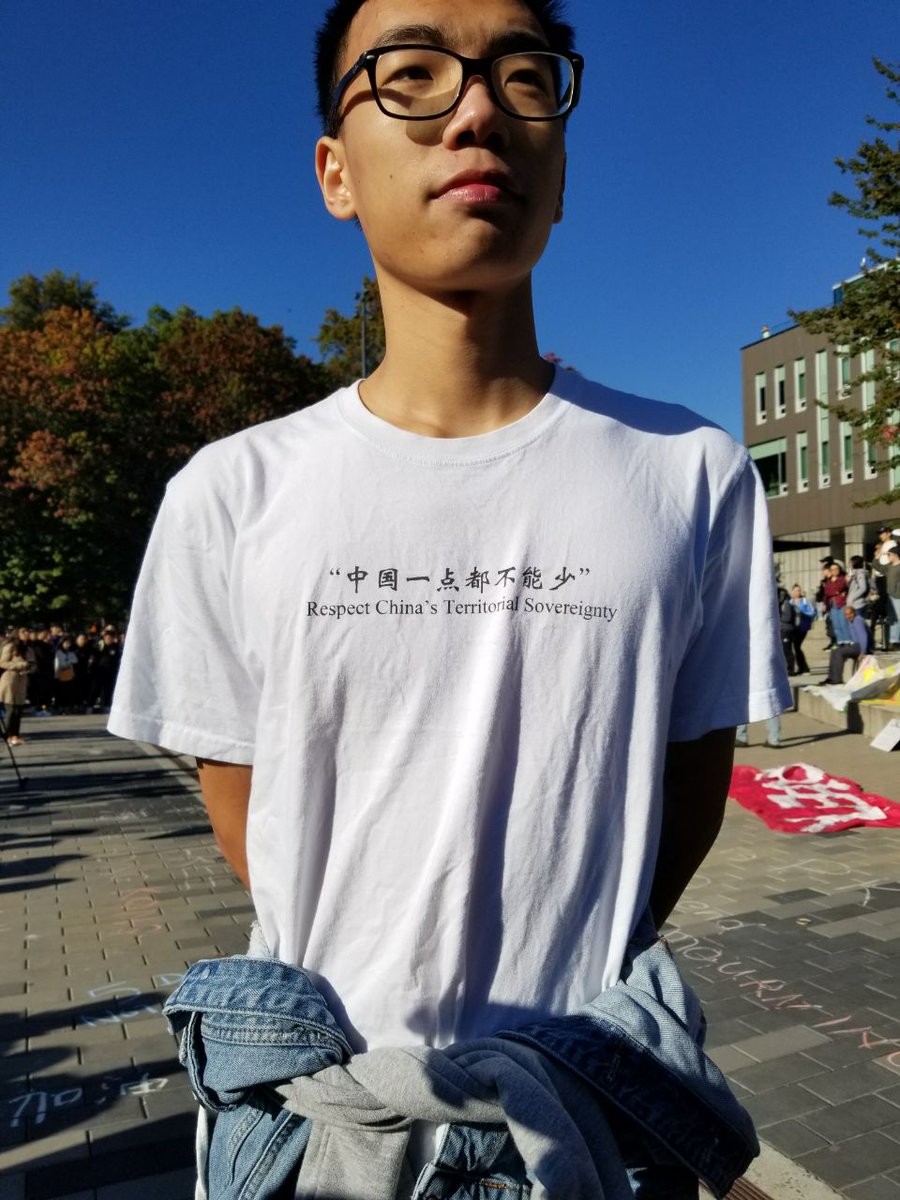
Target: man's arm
226	794
695	788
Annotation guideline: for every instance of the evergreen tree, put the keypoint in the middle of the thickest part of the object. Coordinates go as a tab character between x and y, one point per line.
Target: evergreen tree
32	298
341	338
867	314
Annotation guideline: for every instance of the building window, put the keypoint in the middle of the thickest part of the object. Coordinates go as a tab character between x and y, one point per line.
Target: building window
844	371
800	384
760	388
821	374
894	473
846	452
867	389
824	450
771	462
780	397
802	461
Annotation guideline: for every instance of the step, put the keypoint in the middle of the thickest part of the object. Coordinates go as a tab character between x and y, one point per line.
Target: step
868	717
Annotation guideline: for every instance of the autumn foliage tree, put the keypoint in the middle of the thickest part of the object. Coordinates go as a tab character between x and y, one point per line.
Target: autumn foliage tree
96	417
225	372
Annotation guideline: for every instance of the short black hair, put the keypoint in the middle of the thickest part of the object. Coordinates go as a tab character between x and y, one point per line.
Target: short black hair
331	41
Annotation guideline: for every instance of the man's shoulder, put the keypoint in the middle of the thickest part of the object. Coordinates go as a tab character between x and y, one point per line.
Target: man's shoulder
242	460
671	430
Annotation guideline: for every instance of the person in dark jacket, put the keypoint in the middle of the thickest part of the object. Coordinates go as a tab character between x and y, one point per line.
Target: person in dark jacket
835	589
786	625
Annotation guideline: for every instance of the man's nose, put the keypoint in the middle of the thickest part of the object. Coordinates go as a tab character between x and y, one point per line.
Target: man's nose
477	118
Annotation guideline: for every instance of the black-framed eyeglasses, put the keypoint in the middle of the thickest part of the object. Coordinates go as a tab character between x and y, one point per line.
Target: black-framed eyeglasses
419	83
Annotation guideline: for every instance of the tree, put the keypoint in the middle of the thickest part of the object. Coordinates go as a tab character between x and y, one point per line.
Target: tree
93	422
31	299
340	338
867	314
74	412
225	372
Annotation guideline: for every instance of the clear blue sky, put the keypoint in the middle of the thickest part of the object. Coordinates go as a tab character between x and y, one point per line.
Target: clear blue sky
165	150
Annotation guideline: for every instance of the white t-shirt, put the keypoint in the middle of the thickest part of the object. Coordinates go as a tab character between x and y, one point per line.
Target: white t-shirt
455	670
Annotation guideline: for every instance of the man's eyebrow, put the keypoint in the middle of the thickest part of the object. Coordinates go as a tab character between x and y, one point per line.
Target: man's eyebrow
430	35
508	40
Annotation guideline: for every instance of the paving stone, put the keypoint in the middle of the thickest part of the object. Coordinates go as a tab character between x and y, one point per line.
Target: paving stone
782	1104
728	1058
791	1138
762	1077
722	1033
847	1052
881	1188
863	1079
797	894
853	1161
61	1147
845	1120
174	1185
172	1101
781	1043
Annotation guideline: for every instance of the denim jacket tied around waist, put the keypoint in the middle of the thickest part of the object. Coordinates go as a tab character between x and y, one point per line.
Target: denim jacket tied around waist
615	1100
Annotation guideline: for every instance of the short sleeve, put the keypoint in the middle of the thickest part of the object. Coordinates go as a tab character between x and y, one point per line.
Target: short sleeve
733	671
185	682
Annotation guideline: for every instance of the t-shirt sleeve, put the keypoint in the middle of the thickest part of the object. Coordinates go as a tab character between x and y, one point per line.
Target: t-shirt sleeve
733	671
186	682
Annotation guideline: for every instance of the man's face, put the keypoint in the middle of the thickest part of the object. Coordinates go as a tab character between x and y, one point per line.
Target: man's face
849	613
834	570
398	176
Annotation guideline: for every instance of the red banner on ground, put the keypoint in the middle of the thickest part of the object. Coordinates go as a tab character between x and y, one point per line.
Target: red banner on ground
803	799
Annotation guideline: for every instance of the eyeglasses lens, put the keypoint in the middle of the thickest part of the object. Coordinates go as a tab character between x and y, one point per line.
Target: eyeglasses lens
424	82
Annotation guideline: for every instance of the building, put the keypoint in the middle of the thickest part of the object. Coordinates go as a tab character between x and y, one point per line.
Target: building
815	468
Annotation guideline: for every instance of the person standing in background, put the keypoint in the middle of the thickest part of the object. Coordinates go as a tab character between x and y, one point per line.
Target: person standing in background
804	615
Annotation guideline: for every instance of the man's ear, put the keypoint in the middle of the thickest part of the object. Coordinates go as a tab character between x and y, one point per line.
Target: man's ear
333	174
558	215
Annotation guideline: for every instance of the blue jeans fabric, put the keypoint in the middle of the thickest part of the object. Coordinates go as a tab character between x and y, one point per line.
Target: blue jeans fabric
839	626
893	616
248	1024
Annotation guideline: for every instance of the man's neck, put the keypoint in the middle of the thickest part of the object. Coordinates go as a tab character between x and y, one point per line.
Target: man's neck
457	366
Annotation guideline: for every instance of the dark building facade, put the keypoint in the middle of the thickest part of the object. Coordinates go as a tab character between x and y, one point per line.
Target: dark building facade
815	468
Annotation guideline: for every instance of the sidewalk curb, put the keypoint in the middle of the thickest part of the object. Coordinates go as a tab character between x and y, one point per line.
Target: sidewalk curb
779	1178
783	1179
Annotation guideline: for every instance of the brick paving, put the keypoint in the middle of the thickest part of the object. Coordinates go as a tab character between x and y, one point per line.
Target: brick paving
793	943
112	884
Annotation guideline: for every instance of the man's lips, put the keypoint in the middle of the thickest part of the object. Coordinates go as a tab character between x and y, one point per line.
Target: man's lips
478	187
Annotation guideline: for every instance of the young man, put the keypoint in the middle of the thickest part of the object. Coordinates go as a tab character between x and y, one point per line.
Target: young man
454	748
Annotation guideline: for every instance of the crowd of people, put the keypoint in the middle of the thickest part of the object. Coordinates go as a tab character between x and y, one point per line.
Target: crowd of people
51	670
860	602
871	589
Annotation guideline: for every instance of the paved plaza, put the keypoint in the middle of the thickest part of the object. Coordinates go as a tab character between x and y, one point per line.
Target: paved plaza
112	883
